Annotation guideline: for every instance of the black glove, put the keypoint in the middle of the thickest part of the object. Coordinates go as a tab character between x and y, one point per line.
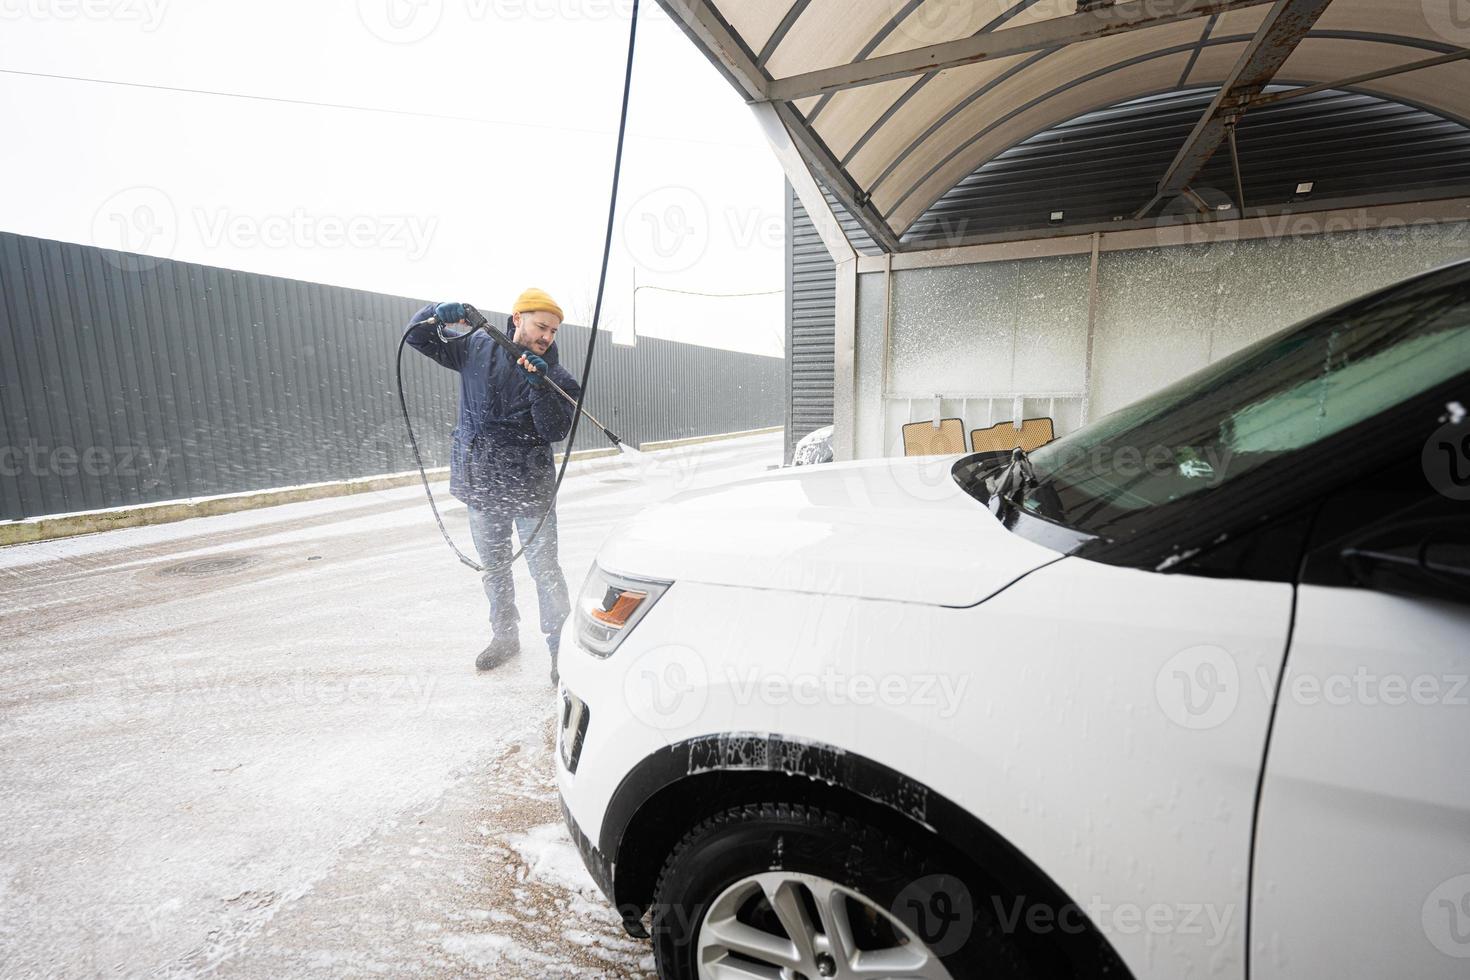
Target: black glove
449	312
535	367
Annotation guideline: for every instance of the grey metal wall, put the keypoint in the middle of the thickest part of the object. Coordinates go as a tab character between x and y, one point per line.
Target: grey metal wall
126	380
1103	165
811	317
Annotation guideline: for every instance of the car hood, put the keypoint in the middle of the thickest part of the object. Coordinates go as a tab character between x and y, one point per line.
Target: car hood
897	529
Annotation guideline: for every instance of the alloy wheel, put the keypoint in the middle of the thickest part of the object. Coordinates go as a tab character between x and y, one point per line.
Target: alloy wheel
783	925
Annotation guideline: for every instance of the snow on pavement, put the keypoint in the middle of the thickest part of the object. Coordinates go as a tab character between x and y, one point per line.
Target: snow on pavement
255	745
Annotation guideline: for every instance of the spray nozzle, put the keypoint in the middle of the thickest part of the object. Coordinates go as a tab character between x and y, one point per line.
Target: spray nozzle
475	318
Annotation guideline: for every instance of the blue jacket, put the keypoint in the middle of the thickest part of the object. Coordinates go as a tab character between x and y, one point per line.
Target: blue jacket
502	459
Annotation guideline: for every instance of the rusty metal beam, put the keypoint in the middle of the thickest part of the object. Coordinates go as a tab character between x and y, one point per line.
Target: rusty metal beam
824	165
1285	25
1371	76
1085	25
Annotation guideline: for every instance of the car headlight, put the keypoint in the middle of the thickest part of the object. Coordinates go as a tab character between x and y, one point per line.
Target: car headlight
609	606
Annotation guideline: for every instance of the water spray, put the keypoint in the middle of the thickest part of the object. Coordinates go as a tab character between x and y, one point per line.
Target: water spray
477	321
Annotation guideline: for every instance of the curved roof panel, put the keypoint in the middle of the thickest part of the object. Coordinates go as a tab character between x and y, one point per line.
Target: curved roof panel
894	103
1097	167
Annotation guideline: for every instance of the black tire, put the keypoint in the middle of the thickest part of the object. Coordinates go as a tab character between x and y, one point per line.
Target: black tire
940	905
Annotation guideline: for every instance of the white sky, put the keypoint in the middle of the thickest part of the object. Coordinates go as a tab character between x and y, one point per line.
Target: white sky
511	191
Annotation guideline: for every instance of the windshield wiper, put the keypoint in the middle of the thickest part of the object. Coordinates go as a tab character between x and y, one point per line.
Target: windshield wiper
1015	480
1017	487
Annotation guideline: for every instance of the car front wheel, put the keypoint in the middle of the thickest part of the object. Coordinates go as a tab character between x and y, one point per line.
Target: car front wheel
789	892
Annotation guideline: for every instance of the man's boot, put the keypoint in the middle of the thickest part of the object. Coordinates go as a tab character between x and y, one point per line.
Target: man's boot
501	648
553	643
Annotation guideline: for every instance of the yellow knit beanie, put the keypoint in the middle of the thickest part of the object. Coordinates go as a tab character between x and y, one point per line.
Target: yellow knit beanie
534	300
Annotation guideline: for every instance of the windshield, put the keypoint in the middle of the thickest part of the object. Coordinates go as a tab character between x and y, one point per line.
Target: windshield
1268	402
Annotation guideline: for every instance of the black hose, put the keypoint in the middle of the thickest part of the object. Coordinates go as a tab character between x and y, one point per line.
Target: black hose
612	209
414	444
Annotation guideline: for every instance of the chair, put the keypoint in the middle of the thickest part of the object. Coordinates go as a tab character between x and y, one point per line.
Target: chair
1004	436
927	439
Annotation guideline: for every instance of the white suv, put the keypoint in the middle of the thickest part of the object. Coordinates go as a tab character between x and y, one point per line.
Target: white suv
1182	695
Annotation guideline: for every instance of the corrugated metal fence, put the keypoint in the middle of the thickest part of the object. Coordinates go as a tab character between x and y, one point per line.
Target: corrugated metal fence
811	316
126	379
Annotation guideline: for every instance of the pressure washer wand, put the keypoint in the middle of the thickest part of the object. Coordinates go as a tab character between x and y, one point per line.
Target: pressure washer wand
477	321
590	417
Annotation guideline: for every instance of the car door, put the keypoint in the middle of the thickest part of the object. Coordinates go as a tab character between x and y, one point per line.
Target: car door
1362	859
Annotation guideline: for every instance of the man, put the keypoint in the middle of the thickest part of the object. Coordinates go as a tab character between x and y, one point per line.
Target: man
502	465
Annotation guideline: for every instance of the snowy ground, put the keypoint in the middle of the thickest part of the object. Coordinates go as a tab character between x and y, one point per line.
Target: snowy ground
255	746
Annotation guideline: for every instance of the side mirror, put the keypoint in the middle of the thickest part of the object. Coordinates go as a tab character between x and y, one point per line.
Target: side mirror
1424	559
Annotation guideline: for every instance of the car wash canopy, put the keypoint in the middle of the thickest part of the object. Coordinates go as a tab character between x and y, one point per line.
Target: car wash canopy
936	123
